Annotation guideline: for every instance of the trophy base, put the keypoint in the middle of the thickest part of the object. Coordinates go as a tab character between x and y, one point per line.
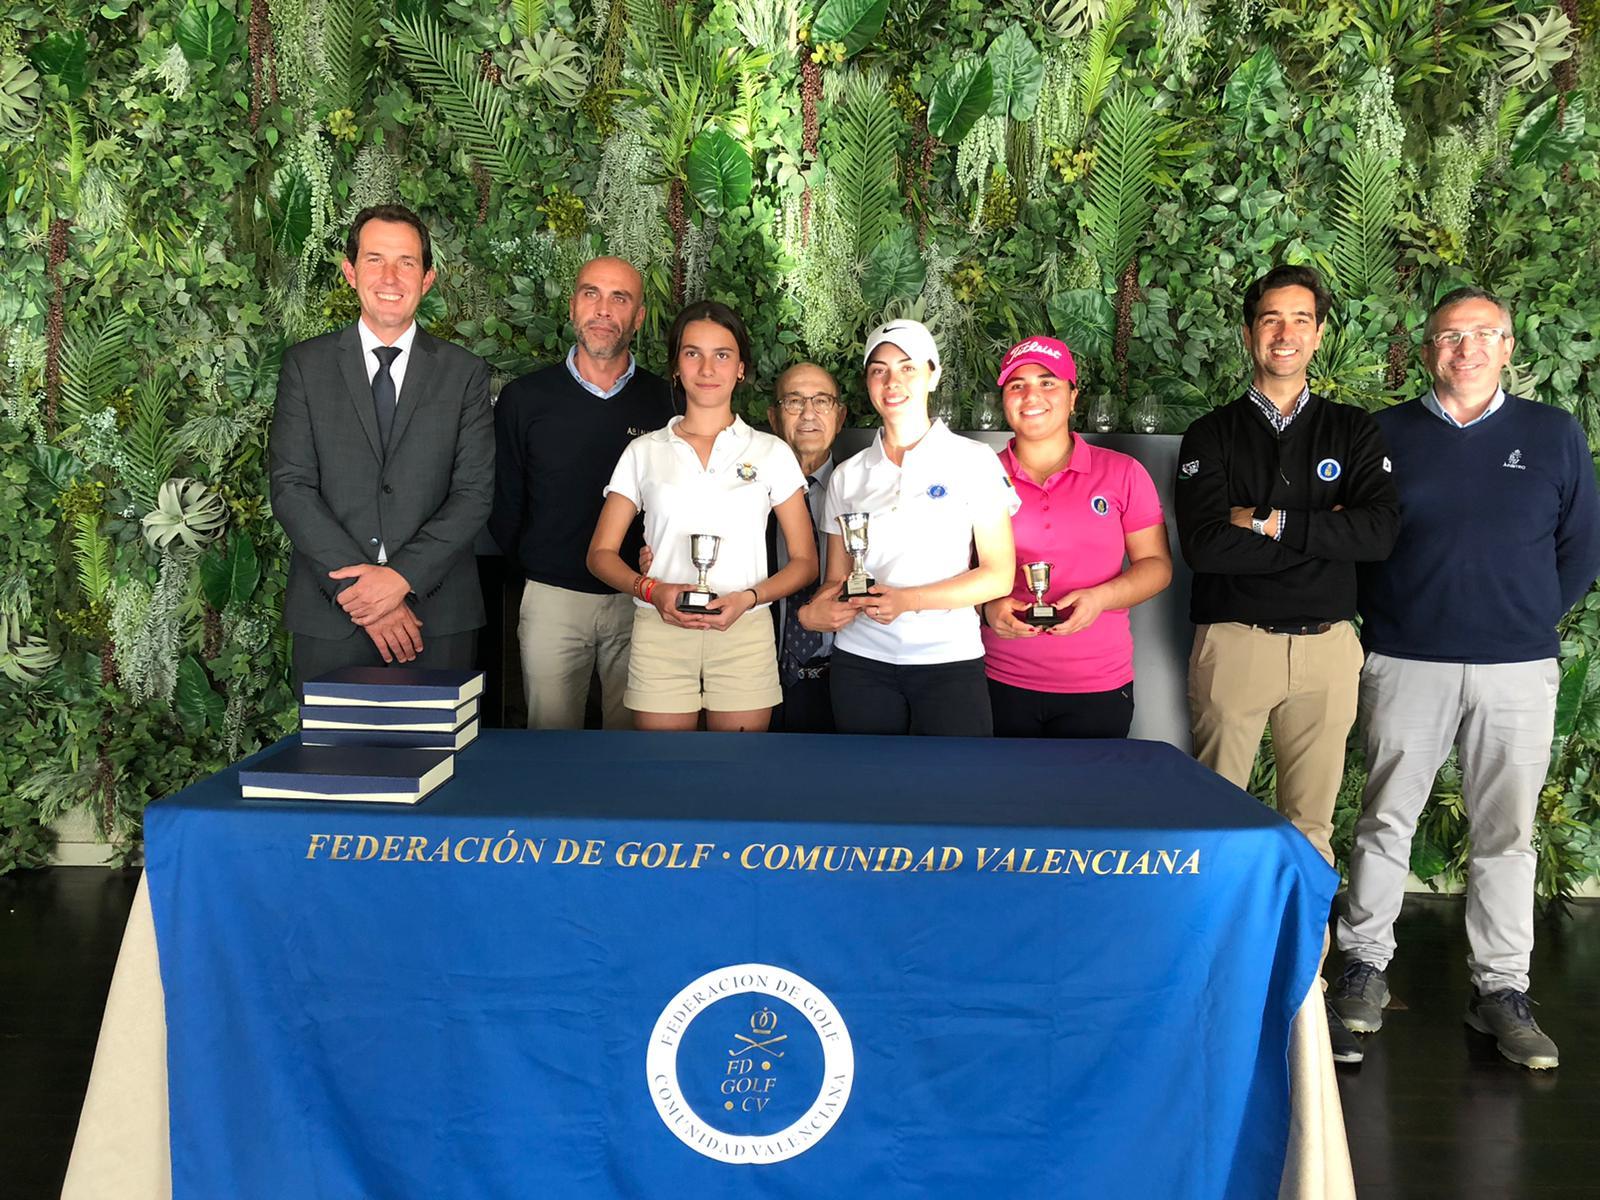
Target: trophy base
1042	616
696	602
857	585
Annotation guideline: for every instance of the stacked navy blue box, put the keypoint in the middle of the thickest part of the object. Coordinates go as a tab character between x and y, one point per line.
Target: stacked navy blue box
384	734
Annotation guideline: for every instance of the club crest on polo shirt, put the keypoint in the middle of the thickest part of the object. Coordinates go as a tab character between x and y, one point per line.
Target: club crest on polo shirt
1328	470
746	472
1190	469
937	492
1100	505
1514	461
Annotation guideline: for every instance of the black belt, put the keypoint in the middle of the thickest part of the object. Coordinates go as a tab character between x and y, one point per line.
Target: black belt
815	668
1298	630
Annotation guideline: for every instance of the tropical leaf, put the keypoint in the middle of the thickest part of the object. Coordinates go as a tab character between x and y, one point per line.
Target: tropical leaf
472	106
151	450
94	362
719	172
289	212
1548	137
197	704
1258	78
349	44
528	16
1085	319
865	136
853	22
91	556
1103	59
1018	74
1533	45
1364	258
962	95
1070	18
1122	183
206	32
1570	696
895	270
230	576
59	468
186	516
66	56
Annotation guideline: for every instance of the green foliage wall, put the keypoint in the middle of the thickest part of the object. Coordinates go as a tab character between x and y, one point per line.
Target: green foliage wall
177	176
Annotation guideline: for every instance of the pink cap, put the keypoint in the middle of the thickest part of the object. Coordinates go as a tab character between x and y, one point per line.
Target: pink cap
1050	354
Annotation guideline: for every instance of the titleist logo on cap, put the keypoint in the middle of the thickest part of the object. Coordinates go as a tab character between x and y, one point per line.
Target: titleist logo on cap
1032	347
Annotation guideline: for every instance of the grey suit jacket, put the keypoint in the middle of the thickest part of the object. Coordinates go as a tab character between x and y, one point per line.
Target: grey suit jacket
339	494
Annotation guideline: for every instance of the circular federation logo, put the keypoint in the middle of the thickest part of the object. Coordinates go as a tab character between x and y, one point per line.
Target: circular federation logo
750	1064
937	491
1100	505
1328	470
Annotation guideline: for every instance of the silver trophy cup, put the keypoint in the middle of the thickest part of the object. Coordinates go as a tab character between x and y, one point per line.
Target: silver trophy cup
703	549
853	526
1039	613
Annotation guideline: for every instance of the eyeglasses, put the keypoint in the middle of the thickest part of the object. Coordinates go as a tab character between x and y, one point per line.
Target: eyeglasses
1449	339
823	402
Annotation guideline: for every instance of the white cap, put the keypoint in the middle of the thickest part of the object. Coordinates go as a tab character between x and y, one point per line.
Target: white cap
911	336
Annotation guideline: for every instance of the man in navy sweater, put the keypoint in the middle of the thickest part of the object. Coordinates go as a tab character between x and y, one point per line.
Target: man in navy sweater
1500	536
1279	495
558	435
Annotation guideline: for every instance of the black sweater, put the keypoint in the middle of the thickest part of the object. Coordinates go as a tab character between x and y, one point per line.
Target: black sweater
1332	455
555	448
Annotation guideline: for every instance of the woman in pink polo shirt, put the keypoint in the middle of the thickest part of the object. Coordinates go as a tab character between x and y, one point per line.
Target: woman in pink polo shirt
1085	510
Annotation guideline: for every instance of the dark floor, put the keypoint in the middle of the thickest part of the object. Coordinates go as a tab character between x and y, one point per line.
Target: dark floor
1433	1113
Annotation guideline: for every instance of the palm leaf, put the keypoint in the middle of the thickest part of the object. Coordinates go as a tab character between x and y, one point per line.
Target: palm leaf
349	34
91	554
472	106
152	448
1103	60
1364	224
865	135
1122	184
93	363
527	16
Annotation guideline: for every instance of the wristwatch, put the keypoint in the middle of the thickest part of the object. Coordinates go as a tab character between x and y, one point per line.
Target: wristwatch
1258	520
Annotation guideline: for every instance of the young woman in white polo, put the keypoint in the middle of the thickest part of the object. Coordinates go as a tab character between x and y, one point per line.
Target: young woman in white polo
707	472
908	657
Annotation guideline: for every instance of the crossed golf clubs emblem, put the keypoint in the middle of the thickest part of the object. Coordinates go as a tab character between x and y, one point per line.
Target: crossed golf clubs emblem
761	1024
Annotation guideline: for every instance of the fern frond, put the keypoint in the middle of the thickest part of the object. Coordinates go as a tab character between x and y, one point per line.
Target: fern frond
653	35
151	450
91	555
93	363
77	148
349	37
1103	60
527	16
472	106
865	135
1121	183
1363	224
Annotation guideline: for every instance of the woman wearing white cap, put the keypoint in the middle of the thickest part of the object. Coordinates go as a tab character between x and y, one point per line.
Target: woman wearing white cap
907	656
706	472
1084	509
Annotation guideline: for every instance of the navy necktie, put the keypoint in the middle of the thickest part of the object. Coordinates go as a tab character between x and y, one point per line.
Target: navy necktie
383	393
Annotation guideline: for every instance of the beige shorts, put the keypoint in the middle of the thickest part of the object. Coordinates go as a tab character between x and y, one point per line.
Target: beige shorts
672	670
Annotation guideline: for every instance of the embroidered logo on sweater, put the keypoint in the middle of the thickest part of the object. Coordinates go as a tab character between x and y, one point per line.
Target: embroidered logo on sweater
1190	469
1514	461
1328	470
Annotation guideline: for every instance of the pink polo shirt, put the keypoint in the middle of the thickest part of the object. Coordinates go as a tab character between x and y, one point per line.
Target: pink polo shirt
1079	521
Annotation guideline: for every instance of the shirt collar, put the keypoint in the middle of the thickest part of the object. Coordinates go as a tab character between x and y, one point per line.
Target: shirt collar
593	389
370	340
823	473
1081	453
1269	410
937	432
1431	403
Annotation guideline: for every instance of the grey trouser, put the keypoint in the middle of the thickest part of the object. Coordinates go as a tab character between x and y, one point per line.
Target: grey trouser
564	636
1501	719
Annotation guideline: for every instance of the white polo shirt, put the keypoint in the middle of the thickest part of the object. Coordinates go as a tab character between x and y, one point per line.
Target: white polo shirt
919	531
748	474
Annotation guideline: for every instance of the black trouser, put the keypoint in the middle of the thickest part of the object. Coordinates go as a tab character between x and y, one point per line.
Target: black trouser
946	699
314	656
807	706
1019	712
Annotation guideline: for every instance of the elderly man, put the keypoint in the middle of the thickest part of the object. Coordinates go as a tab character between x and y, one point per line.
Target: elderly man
382	471
1500	536
559	433
806	412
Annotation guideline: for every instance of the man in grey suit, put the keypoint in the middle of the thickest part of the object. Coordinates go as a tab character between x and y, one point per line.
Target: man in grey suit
383	471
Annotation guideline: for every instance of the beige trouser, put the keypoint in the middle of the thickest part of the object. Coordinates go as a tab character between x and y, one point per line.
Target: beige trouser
564	636
1241	677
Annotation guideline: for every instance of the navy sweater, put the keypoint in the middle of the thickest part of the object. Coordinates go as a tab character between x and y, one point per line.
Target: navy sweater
1499	535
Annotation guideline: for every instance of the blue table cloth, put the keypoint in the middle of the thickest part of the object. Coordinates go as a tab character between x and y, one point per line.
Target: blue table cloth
736	965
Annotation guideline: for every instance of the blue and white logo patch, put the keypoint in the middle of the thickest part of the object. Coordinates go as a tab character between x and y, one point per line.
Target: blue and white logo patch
937	491
1100	505
1328	470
